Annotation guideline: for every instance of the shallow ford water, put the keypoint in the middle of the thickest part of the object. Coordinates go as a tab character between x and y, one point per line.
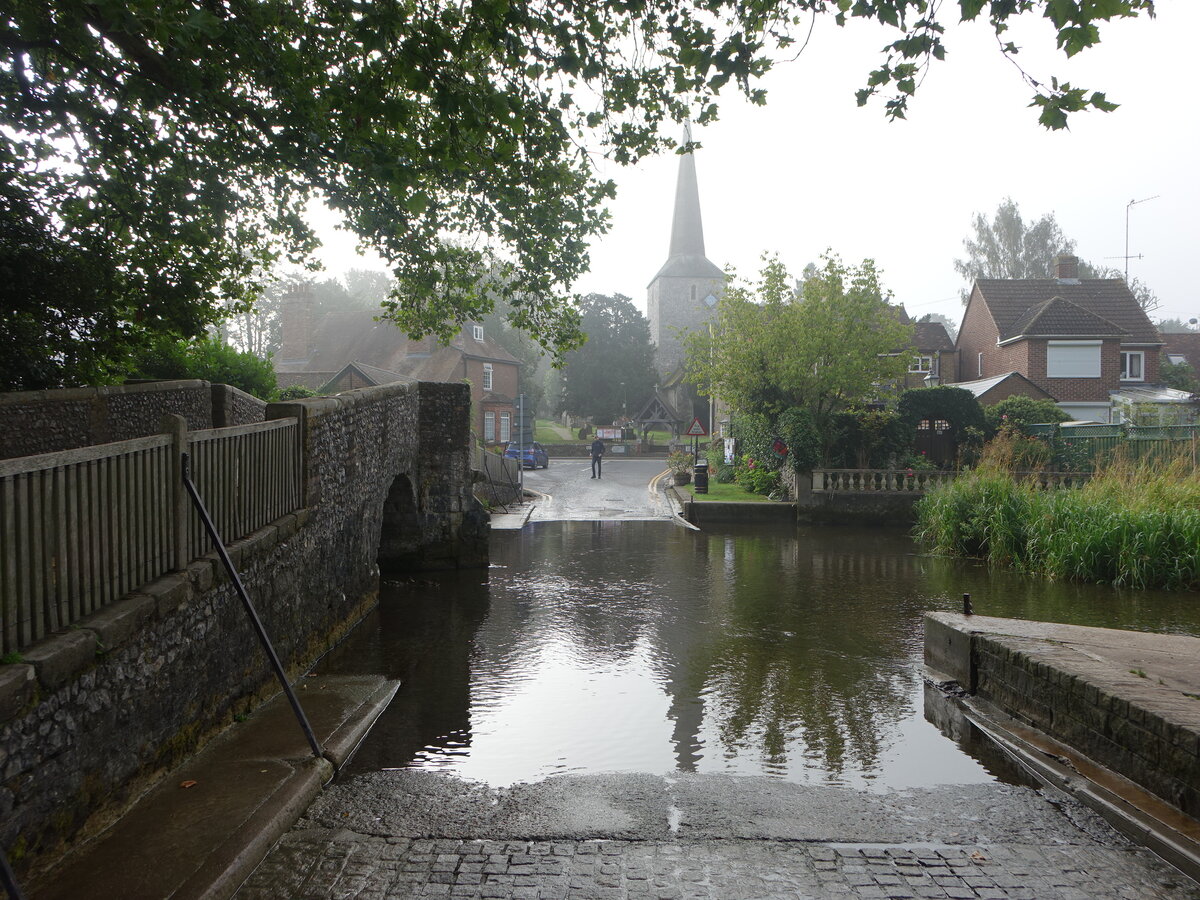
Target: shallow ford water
641	646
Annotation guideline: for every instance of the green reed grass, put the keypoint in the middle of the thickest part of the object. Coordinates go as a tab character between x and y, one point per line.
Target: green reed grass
1134	524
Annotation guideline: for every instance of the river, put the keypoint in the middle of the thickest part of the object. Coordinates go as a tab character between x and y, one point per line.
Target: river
640	646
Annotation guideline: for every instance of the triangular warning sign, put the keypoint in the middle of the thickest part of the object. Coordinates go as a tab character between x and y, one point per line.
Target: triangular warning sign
696	429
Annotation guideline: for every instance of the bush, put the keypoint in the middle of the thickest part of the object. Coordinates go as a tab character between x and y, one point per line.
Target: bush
208	359
679	461
725	473
755	478
869	438
796	428
295	392
1022	411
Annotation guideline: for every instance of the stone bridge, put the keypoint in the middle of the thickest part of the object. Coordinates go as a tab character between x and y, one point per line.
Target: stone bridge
98	706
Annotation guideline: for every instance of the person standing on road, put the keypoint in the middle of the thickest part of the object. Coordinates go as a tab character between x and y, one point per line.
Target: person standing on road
597	454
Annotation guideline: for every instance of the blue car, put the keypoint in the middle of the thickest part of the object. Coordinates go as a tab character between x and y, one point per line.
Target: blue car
534	457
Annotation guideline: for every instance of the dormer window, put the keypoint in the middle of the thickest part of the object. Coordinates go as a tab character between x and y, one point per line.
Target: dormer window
477	332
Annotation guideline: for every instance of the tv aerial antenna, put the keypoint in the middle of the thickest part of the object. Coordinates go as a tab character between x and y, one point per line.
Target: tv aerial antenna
1127	257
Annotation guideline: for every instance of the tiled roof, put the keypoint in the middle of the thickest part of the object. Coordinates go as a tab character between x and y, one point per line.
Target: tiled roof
931	336
1057	316
354	336
1010	300
1186	345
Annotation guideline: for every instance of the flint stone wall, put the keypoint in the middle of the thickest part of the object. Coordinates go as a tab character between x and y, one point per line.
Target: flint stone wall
95	712
33	422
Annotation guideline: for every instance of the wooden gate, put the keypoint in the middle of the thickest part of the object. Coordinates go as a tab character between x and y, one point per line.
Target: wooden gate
935	439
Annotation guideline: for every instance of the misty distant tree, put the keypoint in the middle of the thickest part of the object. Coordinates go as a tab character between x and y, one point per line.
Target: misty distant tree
1177	326
1008	247
615	367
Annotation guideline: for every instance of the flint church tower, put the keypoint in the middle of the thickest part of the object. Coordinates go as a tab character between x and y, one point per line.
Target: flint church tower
684	293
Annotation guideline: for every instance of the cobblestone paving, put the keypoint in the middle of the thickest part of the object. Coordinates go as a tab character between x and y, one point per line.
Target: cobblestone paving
320	863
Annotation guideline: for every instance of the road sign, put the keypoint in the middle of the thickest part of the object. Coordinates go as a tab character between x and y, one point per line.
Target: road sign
696	429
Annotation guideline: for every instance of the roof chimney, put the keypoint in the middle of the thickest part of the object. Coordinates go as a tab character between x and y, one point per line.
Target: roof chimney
295	322
1066	269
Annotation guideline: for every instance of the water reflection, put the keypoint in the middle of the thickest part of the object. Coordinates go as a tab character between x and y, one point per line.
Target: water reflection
639	646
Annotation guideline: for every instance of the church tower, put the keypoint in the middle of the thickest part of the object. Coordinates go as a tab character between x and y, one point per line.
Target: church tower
681	297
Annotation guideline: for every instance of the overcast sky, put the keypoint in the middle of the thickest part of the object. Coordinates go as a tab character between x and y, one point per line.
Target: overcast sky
811	170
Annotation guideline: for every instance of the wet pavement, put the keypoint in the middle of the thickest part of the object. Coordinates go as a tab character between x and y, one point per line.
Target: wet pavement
417	834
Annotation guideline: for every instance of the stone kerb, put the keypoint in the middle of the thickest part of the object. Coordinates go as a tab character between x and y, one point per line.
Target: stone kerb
95	713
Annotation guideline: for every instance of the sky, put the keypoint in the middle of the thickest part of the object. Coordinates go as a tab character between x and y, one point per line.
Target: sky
811	171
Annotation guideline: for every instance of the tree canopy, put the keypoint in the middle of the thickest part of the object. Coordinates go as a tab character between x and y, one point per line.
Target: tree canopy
614	370
1007	247
158	155
836	343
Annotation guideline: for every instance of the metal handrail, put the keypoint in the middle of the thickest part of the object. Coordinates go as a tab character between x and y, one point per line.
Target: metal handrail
263	637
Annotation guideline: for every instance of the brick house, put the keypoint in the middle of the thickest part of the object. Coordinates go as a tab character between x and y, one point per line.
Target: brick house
933	358
350	349
1079	341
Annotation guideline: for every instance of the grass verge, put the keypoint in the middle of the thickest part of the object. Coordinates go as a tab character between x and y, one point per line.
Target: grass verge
726	493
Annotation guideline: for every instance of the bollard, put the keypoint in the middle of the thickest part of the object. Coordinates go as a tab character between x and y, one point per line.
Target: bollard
967	605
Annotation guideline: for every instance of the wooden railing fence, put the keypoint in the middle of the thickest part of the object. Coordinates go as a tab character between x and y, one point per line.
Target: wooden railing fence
81	528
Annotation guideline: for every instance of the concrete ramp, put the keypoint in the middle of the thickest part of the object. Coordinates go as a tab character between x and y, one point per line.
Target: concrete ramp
206	825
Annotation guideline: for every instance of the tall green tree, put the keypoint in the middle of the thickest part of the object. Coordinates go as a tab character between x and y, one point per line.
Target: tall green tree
835	344
1008	247
168	148
614	371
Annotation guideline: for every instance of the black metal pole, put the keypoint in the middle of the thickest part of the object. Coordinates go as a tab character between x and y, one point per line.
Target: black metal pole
967	610
9	879
263	637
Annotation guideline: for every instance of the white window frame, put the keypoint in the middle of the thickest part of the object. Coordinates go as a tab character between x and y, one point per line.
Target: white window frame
477	332
921	364
980	364
505	427
489	427
1074	359
1127	357
487	376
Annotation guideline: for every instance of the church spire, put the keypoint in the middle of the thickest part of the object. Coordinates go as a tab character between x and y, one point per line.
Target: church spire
687	228
686	255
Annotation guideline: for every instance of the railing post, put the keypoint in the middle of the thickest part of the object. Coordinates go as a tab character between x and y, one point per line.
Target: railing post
176	427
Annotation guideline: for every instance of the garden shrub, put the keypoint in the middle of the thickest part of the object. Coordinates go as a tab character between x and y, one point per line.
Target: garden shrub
756	478
1021	411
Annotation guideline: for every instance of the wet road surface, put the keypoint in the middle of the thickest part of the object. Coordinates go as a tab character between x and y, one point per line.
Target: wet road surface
627	489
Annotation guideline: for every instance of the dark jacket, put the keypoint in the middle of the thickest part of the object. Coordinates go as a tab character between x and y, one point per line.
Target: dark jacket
597	447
